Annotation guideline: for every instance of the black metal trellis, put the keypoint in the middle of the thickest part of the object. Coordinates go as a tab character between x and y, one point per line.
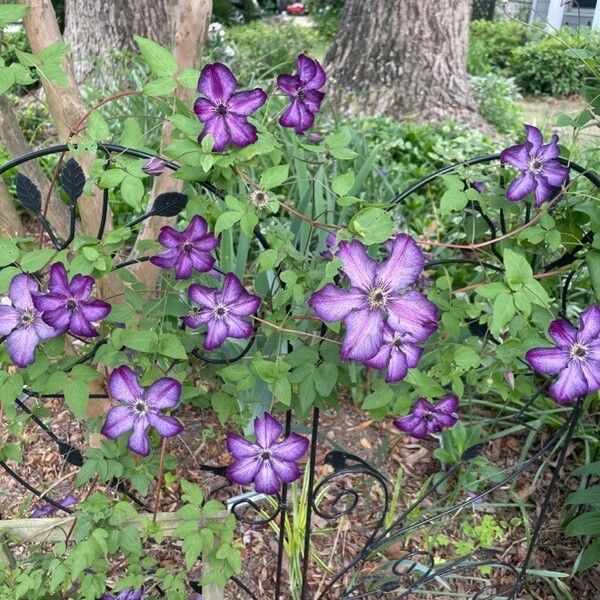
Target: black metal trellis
330	498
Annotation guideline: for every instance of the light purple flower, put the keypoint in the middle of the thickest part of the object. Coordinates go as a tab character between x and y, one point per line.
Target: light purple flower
541	172
21	322
128	594
67	305
377	295
426	418
140	409
266	462
224	111
575	357
331	243
187	250
154	166
50	509
303	90
399	352
224	312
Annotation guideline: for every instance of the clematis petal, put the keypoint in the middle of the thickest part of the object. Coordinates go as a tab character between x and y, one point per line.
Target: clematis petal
548	360
414	314
123	385
217	82
95	310
201	261
381	359
204	109
59	319
139	442
448	404
312	100
21	345
266	481
521	187
288	84
247	102
555	173
412	425
206	243
591	372
307	69
242	133
202	295
319	79
404	264
42	330
232	289
9	319
267	430
80	325
590	325
81	286
332	303
20	290
443	421
534	136
163	393
570	385
245	305
422	406
357	264
517	156
170	237
118	420
547	152
412	353
397	367
217	127
216	335
197	227
563	333
237	327
294	447
57	281
196	320
184	266
49	301
298	116
166	260
364	334
286	471
543	191
240	447
244	470
165	425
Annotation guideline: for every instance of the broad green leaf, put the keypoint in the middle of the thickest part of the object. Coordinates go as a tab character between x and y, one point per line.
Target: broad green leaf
373	225
274	176
97	127
159	59
592	258
382	395
37	259
11	13
227	220
76	396
342	184
518	270
9	252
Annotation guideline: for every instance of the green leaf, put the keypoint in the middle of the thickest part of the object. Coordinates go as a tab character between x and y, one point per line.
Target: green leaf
453	200
518	270
111	178
227	220
35	260
11	13
590	495
171	346
381	396
282	390
589	557
162	86
274	176
132	191
9	252
592	258
466	357
373	225
342	184
7	78
144	341
325	377
97	127
159	59
6	276
188	78
585	524
77	396
504	310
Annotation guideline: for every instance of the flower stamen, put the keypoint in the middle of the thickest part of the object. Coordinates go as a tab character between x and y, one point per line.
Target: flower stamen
578	352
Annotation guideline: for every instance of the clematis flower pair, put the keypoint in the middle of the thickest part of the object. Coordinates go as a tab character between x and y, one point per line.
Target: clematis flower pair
541	172
266	462
384	321
426	418
575	357
141	409
225	111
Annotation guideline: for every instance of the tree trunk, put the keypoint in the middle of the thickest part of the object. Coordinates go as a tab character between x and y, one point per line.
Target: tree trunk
95	29
403	59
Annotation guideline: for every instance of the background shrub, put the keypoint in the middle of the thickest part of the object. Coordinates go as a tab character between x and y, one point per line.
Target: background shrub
496	97
326	15
492	43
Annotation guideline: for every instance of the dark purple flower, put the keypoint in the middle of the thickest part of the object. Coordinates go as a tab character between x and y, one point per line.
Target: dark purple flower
331	244
67	306
140	409
576	357
266	462
426	418
154	166
398	353
224	111
541	172
50	509
128	594
187	250
21	322
223	311
303	89
377	294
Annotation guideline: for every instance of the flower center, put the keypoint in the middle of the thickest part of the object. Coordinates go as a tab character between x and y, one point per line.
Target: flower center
71	303
265	455
578	352
187	247
141	406
27	318
221	109
428	416
377	297
535	166
397	342
301	94
220	310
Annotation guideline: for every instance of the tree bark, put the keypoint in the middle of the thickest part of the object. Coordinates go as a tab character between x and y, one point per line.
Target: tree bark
95	29
403	59
10	222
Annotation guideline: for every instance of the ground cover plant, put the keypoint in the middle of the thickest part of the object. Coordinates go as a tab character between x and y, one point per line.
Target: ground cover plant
200	388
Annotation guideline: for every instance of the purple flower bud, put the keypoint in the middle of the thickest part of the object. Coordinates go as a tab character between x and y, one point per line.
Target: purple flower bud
426	418
315	138
154	166
509	377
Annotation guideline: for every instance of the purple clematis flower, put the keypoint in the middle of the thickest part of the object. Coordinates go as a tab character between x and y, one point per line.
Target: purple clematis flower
398	353
576	357
377	293
141	408
154	166
21	322
50	509
426	418
303	90
187	250
224	111
67	306
267	462
223	311
128	594
541	172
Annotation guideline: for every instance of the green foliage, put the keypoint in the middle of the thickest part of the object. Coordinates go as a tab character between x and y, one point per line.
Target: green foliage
326	15
491	45
496	98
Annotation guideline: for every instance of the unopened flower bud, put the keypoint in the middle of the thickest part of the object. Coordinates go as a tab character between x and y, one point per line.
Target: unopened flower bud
155	166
